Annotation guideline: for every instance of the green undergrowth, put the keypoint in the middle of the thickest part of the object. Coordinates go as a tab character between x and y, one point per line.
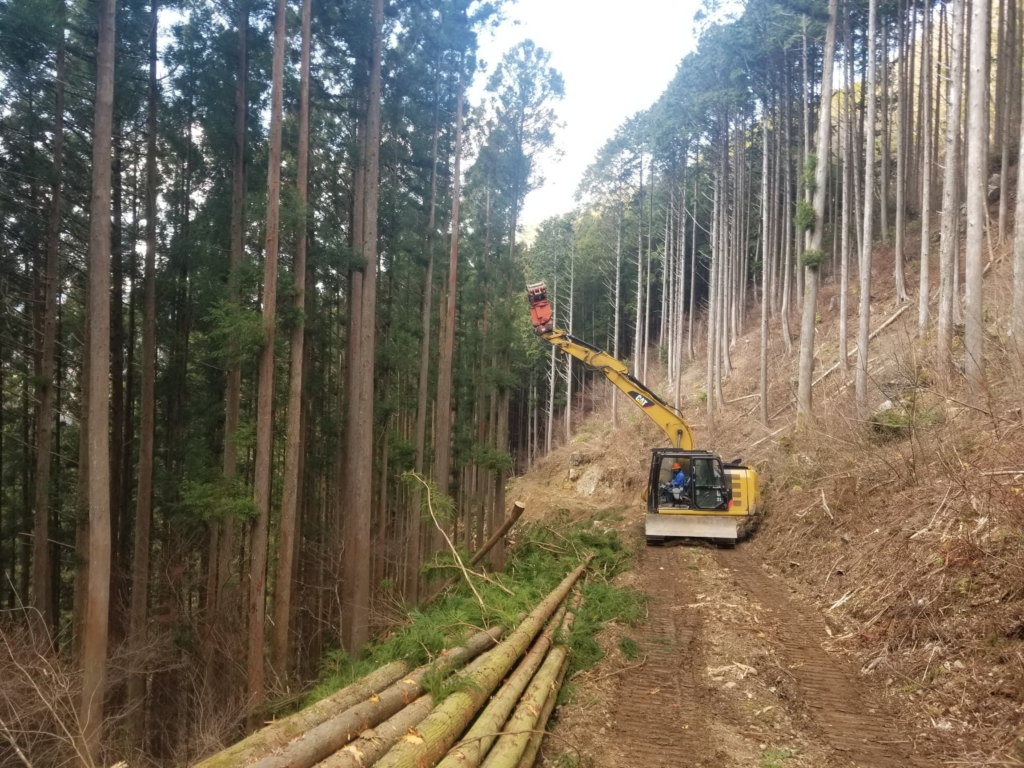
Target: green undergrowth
543	555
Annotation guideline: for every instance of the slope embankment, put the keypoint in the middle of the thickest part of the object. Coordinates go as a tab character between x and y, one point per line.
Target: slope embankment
876	618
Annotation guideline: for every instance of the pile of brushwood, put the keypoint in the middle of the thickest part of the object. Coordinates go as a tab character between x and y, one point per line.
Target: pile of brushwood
469	681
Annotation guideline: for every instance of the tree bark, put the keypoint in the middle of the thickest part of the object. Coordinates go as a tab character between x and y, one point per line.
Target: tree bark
233	393
442	436
712	351
294	446
356	581
569	358
42	596
1017	312
864	322
977	193
924	288
950	208
848	174
144	494
263	469
764	275
477	741
412	556
551	374
94	643
807	326
443	726
618	304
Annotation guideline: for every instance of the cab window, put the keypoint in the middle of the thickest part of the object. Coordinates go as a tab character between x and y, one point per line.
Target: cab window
669	493
709	484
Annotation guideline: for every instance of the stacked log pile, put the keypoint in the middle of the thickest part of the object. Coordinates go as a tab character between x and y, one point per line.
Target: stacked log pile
389	719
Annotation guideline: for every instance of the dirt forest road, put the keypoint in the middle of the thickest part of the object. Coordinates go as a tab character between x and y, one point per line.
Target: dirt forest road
731	670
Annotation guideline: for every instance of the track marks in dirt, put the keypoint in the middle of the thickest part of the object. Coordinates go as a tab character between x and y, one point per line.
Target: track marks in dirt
658	711
838	705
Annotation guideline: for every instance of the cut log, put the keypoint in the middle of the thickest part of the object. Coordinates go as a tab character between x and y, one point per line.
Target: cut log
510	520
525	723
373	743
278	735
517	511
472	748
327	738
435	735
533	746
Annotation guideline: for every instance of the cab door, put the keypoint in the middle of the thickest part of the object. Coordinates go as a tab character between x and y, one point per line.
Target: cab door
710	486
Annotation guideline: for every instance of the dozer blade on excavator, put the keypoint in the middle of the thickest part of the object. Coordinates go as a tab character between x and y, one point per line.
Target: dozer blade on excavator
671	526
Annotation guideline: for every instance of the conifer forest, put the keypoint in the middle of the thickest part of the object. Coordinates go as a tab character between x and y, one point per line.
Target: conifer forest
266	359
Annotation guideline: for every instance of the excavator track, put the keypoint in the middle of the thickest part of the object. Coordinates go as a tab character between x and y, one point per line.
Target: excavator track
662	699
858	731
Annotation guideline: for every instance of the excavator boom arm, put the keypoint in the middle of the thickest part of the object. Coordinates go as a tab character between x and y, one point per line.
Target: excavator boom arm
671	423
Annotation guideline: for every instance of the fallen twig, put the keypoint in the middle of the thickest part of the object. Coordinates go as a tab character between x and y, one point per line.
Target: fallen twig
620	671
767	437
448	541
486	578
824	503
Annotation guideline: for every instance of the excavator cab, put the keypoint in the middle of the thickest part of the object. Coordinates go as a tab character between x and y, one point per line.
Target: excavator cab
706	506
540	308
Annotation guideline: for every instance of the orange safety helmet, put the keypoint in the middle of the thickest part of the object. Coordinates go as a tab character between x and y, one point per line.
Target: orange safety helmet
676	466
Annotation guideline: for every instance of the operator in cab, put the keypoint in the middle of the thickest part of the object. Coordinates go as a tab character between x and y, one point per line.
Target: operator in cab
678	476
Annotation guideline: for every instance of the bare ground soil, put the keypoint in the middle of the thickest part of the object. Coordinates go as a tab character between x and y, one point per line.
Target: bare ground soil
732	671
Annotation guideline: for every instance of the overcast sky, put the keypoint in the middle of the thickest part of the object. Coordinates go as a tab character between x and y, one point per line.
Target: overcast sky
616	58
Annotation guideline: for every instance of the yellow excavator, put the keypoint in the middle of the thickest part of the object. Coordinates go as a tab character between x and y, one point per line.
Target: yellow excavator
689	493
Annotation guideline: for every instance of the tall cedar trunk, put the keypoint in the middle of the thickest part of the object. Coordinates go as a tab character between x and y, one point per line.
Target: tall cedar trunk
265	404
442	436
294	446
801	242
1017	313
677	335
232	396
637	340
356	576
668	276
569	358
807	326
42	595
764	273
924	287
1004	68
691	351
950	208
787	232
864	323
116	620
885	185
353	340
551	373
617	306
647	294
902	153
94	642
977	180
412	555
123	554
712	352
848	174
144	494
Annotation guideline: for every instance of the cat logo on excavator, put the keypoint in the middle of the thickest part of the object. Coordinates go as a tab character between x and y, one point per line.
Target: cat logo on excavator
640	400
